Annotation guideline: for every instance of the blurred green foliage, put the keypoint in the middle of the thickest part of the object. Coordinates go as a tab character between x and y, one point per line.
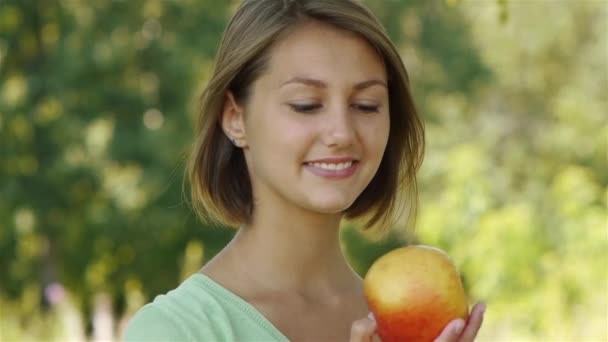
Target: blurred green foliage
96	106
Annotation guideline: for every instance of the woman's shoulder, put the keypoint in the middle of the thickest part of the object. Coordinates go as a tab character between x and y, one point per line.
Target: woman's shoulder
200	310
182	314
153	323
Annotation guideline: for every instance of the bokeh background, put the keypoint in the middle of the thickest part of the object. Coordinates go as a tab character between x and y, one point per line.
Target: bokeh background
96	106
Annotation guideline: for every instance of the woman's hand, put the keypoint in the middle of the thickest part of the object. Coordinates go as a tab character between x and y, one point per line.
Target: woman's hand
363	330
461	331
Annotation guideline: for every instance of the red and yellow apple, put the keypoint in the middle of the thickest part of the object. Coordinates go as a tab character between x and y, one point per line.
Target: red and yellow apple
414	292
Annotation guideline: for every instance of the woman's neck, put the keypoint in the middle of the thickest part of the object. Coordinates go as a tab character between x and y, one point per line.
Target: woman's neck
294	254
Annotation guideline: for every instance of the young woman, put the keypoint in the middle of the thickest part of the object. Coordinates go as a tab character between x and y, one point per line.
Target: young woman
307	119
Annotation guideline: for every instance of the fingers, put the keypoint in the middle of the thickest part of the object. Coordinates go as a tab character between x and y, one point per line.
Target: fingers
363	330
458	330
474	323
452	331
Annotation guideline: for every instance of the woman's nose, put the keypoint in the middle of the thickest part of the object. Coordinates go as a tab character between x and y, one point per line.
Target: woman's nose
339	128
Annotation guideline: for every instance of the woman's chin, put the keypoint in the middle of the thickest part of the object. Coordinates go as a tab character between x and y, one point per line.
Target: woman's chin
331	206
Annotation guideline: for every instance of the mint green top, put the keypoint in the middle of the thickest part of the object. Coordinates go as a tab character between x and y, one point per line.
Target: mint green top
200	310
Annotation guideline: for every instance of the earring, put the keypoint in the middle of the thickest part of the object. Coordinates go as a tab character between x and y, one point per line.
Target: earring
236	143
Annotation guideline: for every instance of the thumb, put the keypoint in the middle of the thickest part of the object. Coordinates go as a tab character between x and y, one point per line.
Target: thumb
363	330
452	331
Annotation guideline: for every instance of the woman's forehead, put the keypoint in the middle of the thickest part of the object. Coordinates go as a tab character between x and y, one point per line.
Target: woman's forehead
317	51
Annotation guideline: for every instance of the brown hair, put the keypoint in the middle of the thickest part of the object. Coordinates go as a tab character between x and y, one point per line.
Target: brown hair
220	184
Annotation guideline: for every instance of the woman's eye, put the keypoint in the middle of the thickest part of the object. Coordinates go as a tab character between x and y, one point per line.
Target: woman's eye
367	108
305	107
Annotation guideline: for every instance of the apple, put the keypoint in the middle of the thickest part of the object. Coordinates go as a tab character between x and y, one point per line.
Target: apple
414	292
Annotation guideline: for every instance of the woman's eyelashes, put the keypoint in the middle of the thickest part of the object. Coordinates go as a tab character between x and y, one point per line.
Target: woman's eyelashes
314	107
368	108
305	107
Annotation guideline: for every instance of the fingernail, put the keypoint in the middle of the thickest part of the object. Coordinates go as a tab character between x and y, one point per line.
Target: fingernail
483	308
458	326
371	316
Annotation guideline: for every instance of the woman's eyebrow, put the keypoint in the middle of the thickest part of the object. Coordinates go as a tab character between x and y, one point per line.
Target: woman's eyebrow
320	84
369	83
307	81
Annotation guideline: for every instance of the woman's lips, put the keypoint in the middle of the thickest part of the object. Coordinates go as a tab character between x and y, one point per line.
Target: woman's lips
332	173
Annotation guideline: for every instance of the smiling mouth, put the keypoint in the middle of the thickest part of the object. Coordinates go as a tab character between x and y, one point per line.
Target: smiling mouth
332	166
333	171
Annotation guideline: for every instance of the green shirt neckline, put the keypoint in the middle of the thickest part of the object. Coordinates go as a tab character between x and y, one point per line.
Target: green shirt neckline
225	294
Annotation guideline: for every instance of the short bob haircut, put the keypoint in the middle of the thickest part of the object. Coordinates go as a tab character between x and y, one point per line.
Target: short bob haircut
219	180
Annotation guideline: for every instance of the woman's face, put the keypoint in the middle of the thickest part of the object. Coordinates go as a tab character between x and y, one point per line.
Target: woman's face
317	121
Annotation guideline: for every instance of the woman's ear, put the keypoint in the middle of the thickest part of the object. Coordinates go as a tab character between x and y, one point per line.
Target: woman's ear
233	121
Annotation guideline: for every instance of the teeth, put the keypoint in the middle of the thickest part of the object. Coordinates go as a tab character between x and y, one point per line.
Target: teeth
331	166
